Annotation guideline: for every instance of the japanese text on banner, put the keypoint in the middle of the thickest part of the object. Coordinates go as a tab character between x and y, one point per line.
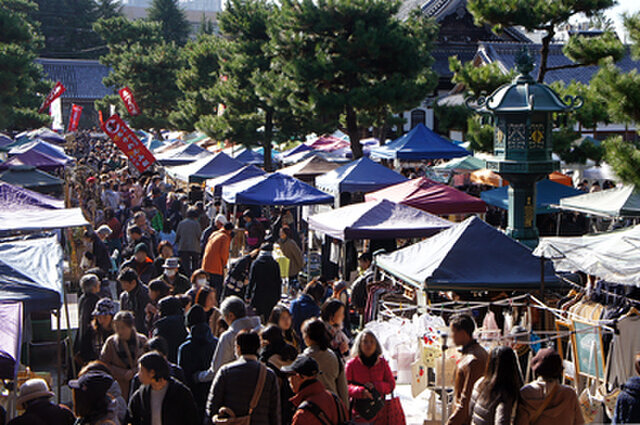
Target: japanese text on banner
128	143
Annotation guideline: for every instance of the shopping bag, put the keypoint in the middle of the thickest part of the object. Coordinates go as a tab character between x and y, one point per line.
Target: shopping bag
393	412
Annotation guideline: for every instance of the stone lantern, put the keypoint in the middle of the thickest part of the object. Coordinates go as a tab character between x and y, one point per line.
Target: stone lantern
523	115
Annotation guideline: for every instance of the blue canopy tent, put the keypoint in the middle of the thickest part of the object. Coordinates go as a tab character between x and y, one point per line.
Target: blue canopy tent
31	272
362	175
471	255
250	157
206	168
302	147
42	147
419	144
377	220
185	154
547	193
244	173
274	189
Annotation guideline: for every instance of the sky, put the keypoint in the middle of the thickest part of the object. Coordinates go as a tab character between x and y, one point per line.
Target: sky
615	13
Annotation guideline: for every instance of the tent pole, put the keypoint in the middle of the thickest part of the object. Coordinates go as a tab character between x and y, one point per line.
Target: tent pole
558	222
68	337
543	316
59	354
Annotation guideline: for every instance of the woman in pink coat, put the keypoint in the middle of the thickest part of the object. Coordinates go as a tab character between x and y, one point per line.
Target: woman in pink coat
367	370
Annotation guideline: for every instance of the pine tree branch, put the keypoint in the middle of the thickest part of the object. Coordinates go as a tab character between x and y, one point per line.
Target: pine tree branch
571	65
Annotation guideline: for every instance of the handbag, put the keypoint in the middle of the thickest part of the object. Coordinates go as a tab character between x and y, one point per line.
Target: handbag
368	408
226	416
393	412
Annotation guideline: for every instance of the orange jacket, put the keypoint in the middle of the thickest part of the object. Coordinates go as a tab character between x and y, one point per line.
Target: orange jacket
216	253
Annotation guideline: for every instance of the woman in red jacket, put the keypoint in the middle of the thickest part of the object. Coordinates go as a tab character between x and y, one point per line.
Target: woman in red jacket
367	370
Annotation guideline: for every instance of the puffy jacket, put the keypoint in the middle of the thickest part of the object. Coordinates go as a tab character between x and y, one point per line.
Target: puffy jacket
303	308
188	236
234	386
194	356
313	391
379	375
563	409
216	253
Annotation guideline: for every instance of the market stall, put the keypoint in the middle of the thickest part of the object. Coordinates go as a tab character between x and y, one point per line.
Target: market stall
619	202
548	195
29	177
310	168
420	143
42	147
430	196
216	184
205	168
181	155
35	159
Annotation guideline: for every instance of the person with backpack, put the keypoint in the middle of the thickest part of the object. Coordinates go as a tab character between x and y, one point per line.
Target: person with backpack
314	404
245	388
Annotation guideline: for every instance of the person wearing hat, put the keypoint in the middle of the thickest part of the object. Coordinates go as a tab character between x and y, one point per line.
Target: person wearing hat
34	397
236	382
310	394
177	282
188	235
141	263
91	401
195	354
255	230
265	284
101	327
170	326
546	400
217	223
134	297
216	255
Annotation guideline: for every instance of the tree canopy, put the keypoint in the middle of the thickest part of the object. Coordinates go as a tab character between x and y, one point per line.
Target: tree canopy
172	19
21	87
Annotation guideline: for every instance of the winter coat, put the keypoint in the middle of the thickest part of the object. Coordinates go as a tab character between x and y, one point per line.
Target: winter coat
101	255
90	344
43	412
188	236
493	410
178	407
303	308
314	392
225	350
291	250
265	284
563	409
333	375
628	403
379	375
469	369
216	253
135	302
172	329
234	386
194	355
180	284
112	355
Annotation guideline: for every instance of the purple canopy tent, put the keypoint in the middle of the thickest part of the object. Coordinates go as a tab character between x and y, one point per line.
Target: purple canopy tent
36	159
11	317
13	196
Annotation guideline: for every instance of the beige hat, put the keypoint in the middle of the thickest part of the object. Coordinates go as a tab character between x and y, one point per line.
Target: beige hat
32	389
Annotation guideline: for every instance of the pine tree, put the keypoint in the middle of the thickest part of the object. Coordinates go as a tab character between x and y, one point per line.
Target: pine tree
354	61
21	87
140	59
172	19
106	9
546	16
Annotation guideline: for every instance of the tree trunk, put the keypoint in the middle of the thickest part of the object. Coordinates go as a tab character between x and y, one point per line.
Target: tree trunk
353	132
544	53
268	137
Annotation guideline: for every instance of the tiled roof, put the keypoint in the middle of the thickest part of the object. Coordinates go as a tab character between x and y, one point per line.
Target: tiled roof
432	8
504	54
442	52
82	78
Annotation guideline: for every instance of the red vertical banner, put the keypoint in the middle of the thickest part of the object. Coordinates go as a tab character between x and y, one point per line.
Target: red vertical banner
55	93
74	118
129	101
100	118
128	143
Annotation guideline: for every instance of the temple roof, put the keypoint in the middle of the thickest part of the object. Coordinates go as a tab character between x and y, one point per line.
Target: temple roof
81	78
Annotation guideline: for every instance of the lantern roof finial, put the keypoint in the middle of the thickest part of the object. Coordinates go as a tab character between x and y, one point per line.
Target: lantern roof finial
524	62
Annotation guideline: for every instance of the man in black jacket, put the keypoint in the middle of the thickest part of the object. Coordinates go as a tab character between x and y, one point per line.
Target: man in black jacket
265	283
134	297
161	399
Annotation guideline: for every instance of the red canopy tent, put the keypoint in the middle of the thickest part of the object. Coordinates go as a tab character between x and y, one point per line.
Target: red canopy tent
430	196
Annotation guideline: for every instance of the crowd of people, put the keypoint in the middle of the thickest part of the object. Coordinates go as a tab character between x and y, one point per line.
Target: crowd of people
184	319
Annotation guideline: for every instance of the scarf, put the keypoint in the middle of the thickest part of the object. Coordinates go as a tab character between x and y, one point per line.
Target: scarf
369	361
